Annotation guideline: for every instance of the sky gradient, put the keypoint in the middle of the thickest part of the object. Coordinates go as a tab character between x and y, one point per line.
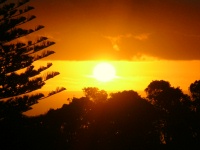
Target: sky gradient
121	29
75	75
144	40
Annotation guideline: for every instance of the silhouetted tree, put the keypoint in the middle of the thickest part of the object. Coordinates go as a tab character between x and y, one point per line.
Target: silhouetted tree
18	77
195	96
175	124
17	73
195	93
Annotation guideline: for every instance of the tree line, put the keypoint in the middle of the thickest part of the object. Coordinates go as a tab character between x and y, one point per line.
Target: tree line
166	118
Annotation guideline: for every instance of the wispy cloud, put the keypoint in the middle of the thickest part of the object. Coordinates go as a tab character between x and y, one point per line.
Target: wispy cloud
144	57
142	37
116	40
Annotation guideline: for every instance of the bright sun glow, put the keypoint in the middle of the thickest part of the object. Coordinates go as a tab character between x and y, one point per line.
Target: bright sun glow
104	72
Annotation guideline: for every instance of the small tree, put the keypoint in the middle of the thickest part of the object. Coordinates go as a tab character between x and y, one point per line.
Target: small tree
18	78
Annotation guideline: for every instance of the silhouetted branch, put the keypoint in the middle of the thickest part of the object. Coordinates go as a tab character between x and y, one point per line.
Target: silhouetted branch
18	104
44	54
30	72
50	75
15	86
58	90
9	10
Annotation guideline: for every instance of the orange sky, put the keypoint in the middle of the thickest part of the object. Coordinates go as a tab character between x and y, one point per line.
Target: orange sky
75	75
144	39
124	31
121	29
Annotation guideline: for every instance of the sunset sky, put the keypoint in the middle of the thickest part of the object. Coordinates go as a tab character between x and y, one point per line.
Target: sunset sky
144	40
121	29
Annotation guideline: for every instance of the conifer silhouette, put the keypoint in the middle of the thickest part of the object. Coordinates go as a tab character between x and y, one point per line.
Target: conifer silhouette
18	78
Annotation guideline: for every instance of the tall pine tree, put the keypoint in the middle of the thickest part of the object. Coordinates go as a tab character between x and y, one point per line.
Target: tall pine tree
18	78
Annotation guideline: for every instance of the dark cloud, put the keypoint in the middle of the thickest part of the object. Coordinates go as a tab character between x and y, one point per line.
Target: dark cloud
98	29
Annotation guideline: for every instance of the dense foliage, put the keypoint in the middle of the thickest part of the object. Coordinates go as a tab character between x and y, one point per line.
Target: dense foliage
166	119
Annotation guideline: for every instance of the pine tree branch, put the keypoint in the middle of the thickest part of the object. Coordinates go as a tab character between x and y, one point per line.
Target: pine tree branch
14	34
22	78
13	63
20	3
30	46
50	75
8	9
12	49
30	72
27	20
13	89
11	13
19	104
21	11
42	46
15	84
21	47
58	90
18	33
43	55
10	23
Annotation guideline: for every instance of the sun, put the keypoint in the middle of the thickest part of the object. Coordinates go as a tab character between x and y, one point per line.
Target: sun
104	72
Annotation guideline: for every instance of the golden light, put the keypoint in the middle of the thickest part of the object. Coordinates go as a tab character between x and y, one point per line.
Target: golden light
104	72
